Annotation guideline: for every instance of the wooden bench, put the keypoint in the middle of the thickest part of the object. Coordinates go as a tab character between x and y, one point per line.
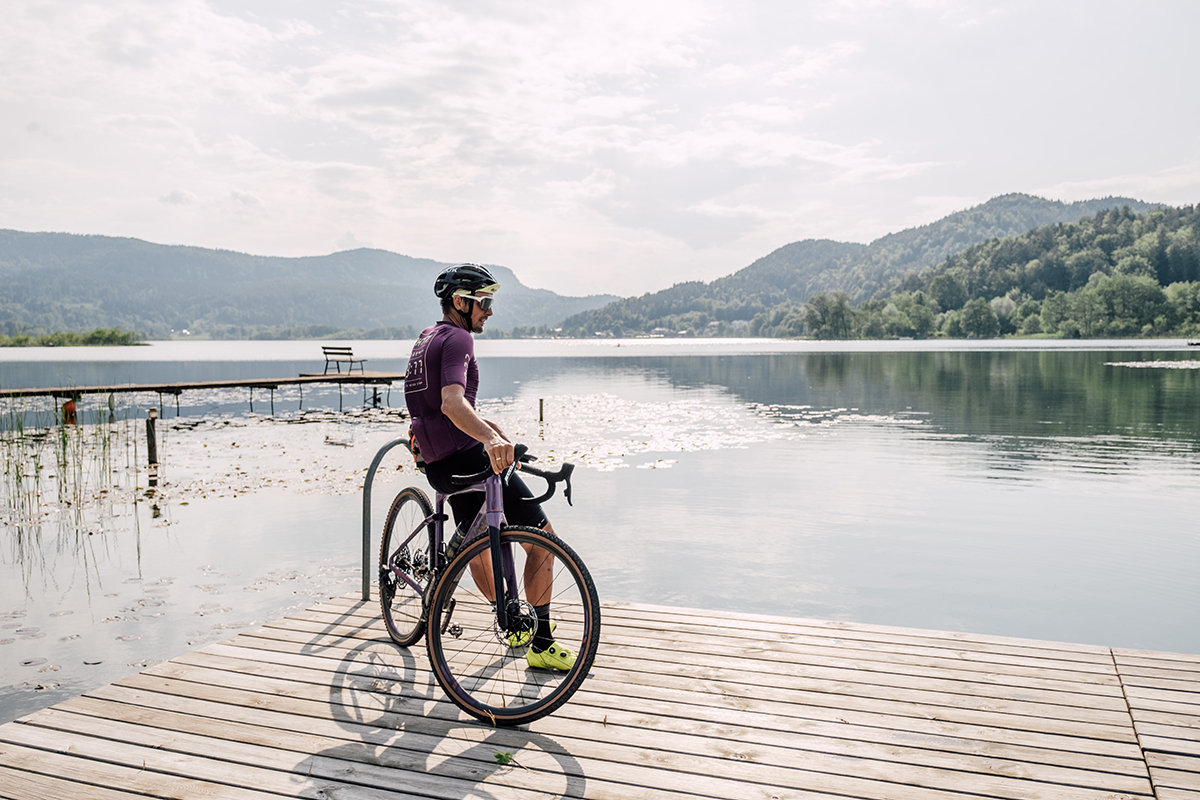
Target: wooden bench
341	355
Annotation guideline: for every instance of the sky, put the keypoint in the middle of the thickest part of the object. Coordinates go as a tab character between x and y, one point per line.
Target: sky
608	146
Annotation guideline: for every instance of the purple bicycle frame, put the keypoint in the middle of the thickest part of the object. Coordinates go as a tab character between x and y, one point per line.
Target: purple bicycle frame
503	571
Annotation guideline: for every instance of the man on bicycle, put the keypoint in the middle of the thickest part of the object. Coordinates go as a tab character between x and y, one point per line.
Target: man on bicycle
440	386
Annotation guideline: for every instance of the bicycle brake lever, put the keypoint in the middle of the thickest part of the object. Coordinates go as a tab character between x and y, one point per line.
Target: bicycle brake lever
567	470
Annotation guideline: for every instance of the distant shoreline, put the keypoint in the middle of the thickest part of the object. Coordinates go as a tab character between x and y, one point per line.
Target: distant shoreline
101	337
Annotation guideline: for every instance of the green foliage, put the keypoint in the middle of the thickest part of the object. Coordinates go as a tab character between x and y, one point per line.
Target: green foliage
1097	278
746	301
100	337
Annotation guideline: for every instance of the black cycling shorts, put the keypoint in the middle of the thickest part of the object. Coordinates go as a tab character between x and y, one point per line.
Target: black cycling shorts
466	506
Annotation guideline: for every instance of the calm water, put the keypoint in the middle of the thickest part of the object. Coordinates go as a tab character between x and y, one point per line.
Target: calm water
1034	490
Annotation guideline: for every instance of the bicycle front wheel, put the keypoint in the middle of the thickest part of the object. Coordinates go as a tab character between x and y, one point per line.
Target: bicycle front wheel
404	568
487	672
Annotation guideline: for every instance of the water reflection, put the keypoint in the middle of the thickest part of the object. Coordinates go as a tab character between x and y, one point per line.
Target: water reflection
1006	392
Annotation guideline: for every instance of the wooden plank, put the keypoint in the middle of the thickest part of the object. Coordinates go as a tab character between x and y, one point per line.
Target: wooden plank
1175	779
1156	668
1167	744
1188	661
66	763
1169	700
1174	762
17	785
1179	781
1181	723
1173	684
1167	793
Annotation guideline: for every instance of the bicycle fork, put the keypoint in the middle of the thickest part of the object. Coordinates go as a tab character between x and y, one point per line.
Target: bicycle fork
504	573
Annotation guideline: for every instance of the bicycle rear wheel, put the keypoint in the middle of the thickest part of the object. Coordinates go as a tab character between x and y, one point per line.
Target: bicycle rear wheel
483	669
404	568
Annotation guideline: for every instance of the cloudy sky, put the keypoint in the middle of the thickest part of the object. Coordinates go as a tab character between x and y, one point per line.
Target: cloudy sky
603	146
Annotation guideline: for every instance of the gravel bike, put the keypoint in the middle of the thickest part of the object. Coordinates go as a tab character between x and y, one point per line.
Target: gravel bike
473	606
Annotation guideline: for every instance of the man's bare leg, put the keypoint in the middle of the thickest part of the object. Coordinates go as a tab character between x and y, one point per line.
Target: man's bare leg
539	574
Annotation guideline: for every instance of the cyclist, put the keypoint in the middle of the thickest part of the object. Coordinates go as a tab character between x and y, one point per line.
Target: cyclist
439	388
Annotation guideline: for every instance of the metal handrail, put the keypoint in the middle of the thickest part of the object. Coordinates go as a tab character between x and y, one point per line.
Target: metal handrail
366	542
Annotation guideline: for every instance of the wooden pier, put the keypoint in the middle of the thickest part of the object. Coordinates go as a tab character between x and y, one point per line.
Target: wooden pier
177	388
681	704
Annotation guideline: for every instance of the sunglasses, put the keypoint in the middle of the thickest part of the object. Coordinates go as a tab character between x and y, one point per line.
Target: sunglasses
485	302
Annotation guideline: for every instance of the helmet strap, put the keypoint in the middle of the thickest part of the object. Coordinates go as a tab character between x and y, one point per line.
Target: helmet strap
464	316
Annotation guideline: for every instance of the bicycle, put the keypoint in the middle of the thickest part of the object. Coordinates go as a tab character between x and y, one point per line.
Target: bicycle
477	647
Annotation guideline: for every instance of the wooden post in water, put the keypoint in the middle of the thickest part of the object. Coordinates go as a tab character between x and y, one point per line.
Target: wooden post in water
152	446
151	443
541	415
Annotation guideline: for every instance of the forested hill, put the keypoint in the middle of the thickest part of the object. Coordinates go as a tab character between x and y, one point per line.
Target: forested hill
66	282
795	272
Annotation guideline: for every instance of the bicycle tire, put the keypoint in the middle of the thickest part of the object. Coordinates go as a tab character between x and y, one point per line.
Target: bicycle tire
480	671
403	605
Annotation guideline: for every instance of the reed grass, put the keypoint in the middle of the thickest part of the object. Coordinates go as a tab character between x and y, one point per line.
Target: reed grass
62	480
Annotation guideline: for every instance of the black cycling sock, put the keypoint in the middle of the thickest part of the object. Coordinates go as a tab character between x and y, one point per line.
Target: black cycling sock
542	637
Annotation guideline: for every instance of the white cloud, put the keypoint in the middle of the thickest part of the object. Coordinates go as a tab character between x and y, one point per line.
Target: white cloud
1176	184
611	146
179	197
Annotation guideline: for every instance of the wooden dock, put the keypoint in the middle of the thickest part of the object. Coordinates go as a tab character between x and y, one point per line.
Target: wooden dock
358	378
681	704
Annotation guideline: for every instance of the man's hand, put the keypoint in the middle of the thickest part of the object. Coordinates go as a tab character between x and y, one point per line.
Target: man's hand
500	452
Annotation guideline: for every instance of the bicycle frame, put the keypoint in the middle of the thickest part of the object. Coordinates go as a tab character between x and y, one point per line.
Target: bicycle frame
504	577
504	581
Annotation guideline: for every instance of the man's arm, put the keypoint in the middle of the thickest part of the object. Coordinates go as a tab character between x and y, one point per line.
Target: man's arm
456	407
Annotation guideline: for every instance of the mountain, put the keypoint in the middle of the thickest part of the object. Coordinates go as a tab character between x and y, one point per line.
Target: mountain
797	271
59	281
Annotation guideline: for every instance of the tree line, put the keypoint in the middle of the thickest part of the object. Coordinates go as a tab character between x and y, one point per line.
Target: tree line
1118	274
101	337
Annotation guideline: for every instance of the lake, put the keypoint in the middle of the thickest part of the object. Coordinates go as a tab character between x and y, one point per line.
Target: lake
1031	489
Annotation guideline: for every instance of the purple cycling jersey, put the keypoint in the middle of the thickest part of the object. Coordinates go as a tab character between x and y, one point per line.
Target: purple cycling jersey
444	354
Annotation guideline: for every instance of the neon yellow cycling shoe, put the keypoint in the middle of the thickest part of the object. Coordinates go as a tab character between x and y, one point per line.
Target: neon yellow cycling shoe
553	657
522	638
